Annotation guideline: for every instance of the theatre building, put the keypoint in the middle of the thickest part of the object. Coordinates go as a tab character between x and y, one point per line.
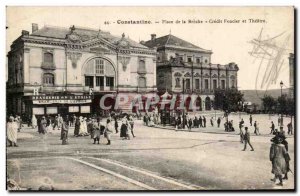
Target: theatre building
183	67
67	70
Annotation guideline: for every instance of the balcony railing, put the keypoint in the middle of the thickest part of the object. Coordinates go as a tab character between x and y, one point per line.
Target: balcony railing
47	65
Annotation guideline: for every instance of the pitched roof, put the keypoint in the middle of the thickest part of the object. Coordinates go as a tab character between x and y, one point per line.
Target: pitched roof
171	40
84	33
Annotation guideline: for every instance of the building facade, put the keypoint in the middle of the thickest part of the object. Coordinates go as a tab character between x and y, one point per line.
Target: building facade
185	68
291	65
67	70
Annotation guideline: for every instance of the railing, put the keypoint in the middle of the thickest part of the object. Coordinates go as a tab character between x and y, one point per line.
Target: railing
47	65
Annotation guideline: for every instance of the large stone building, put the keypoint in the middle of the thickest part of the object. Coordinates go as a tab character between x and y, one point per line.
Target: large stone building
59	70
292	73
180	62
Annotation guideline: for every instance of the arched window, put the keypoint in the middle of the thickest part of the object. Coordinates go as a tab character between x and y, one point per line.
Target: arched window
142	66
48	57
142	82
177	83
48	79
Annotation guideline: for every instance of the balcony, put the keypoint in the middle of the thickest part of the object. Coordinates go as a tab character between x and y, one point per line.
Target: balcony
99	88
47	65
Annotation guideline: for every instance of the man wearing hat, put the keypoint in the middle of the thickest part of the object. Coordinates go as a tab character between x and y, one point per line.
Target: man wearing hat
278	154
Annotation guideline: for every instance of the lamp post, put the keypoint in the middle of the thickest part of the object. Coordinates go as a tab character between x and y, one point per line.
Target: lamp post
281	118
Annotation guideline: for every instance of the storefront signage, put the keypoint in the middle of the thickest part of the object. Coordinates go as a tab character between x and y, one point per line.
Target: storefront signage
63	99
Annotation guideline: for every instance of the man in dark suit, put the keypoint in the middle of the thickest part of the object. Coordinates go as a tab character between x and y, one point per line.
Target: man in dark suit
247	139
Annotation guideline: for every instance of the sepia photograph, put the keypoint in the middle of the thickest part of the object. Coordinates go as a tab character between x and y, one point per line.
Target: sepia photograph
184	98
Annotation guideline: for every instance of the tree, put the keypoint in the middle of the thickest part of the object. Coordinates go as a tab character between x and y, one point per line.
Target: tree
269	103
282	104
229	100
290	106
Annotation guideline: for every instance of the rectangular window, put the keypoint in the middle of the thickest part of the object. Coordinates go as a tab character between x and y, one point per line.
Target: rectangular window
206	83
223	84
73	108
215	84
99	81
109	81
85	109
89	81
99	64
198	60
51	110
187	84
189	59
197	83
38	111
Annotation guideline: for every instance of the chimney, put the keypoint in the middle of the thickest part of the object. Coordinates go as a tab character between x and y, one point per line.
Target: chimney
35	27
25	33
153	37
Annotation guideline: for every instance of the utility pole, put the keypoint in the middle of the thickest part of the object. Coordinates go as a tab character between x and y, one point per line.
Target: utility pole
281	118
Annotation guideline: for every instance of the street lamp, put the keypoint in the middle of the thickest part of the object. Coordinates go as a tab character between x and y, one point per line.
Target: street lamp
281	118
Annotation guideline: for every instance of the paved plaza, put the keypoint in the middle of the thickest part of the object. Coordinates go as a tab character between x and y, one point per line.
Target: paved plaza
157	159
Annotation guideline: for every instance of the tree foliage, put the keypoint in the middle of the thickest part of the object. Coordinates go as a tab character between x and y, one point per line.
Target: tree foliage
269	103
229	100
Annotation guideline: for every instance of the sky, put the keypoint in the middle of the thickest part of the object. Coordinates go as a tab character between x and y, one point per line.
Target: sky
230	42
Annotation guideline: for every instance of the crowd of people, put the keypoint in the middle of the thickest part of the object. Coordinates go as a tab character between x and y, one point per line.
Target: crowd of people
95	127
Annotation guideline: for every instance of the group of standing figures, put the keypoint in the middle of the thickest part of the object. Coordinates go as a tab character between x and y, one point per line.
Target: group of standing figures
83	126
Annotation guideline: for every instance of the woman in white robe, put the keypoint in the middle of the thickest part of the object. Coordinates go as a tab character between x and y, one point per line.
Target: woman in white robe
33	122
12	131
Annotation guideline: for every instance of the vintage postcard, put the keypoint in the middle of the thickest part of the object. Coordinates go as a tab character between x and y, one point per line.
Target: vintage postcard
150	98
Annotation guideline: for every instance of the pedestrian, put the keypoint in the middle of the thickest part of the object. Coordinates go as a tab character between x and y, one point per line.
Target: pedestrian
64	131
247	140
19	122
278	154
124	129
116	124
144	120
279	121
204	121
131	122
33	122
108	130
48	125
195	122
212	121
43	125
39	124
55	122
90	127
241	134
272	128
256	128
96	131
190	124
200	121
77	127
219	122
241	124
250	120
12	132
290	128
